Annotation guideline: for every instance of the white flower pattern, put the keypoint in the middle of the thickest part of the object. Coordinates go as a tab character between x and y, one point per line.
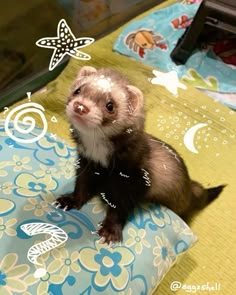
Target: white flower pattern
164	255
29	184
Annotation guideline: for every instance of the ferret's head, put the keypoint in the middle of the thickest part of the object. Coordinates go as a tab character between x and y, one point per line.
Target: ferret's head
104	100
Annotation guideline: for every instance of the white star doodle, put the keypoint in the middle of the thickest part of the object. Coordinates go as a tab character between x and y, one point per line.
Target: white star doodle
65	44
80	107
53	135
169	80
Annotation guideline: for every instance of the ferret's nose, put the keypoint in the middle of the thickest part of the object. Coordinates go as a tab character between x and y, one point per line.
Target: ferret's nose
80	108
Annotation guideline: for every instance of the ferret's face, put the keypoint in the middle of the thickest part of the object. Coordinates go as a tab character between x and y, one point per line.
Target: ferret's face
100	100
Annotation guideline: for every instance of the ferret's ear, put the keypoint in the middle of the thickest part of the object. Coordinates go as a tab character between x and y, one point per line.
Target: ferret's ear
135	99
86	71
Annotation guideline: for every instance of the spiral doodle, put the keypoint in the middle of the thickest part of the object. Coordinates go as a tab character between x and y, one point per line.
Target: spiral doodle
28	121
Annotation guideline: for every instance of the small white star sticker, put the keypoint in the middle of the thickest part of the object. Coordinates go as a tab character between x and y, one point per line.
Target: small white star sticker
169	80
80	107
54	136
65	44
103	83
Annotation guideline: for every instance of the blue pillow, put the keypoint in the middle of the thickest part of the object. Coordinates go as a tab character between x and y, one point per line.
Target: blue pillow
45	250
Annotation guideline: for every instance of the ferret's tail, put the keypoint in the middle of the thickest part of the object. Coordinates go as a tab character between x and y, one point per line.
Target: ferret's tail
213	192
202	197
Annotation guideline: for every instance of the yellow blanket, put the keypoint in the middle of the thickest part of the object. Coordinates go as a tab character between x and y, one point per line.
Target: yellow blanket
169	117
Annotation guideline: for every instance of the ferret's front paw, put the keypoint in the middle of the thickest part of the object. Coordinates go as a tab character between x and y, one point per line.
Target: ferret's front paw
65	202
110	234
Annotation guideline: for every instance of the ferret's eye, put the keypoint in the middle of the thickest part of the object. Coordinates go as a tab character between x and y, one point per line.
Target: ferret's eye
110	107
77	91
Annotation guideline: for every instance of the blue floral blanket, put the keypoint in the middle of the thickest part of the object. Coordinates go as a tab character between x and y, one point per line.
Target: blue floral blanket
152	39
45	250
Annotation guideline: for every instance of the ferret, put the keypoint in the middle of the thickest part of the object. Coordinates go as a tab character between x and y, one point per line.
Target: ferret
118	160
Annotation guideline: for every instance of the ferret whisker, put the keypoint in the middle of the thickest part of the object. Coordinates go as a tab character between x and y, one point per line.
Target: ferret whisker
113	165
94	131
115	130
104	134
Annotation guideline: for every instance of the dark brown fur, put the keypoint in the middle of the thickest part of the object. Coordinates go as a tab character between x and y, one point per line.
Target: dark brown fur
140	168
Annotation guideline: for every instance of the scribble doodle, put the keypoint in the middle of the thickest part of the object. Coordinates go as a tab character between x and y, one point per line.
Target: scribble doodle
27	121
103	195
124	175
6	109
168	149
146	178
29	96
77	164
164	166
58	237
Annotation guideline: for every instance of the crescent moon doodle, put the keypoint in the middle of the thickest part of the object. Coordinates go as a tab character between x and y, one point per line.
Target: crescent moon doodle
189	137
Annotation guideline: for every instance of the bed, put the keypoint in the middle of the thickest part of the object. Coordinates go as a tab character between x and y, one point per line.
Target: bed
208	265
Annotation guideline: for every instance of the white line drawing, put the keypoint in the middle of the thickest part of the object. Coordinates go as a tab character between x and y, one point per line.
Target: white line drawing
30	107
124	175
65	44
147	178
103	195
50	212
168	149
129	130
6	109
189	137
169	80
29	95
58	237
54	119
77	164
53	135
